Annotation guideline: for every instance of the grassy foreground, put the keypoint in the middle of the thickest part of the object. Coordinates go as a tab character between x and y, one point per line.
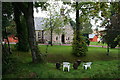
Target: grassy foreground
103	66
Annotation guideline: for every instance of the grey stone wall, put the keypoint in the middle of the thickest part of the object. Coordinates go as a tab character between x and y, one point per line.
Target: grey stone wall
68	35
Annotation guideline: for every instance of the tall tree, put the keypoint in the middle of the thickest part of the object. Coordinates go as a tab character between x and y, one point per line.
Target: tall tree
21	29
27	10
6	19
79	46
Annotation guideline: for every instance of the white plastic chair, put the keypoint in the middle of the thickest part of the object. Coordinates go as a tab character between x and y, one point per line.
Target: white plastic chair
66	65
86	65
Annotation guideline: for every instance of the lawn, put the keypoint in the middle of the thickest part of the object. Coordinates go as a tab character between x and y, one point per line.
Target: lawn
64	53
99	44
103	66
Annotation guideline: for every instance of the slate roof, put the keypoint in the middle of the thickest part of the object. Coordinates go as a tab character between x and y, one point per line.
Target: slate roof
38	21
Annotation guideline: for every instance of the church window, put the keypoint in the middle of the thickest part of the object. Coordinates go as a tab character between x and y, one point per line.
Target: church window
39	34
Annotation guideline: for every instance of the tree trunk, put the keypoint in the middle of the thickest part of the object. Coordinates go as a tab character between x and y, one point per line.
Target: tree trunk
17	14
77	22
21	29
27	9
79	46
51	33
9	50
36	57
108	49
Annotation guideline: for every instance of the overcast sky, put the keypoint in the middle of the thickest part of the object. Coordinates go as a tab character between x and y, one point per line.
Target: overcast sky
44	14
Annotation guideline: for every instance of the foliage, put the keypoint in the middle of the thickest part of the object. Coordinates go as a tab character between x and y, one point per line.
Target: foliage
87	41
55	22
6	23
79	48
89	10
110	39
118	39
27	10
72	23
86	26
79	45
113	27
7	11
43	5
11	29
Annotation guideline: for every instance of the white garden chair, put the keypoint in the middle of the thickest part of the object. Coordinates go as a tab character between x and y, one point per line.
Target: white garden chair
66	65
86	65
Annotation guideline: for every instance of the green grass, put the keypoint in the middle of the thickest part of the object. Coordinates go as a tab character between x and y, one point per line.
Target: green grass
99	44
64	53
100	69
103	66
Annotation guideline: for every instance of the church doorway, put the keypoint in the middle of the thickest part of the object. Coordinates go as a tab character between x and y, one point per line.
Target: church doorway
63	38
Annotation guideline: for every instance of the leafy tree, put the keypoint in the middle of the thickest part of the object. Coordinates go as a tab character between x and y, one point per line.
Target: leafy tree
111	22
118	39
6	19
10	28
114	27
21	29
87	10
27	10
79	46
110	15
101	11
85	25
55	22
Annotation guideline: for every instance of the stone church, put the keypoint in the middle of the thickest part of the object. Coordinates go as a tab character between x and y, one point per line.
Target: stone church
44	36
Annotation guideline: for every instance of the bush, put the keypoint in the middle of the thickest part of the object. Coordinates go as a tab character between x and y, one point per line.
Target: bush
79	47
114	44
110	38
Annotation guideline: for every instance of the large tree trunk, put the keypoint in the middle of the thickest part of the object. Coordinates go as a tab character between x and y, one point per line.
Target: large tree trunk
36	57
27	9
21	29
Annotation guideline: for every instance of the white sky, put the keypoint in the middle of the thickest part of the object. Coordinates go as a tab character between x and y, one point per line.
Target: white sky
72	14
